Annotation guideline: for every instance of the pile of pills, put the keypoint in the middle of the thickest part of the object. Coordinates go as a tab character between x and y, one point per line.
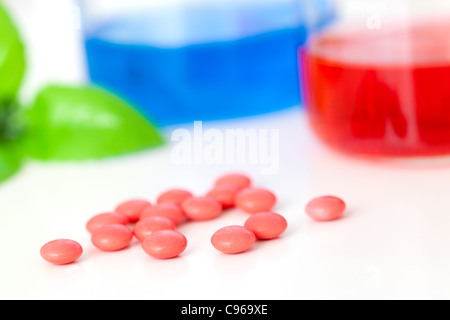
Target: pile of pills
154	225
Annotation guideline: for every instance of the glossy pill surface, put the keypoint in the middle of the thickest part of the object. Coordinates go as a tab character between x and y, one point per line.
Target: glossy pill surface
176	196
133	208
112	237
266	225
233	239
201	208
164	244
61	251
253	200
101	219
168	210
239	180
225	194
325	208
145	227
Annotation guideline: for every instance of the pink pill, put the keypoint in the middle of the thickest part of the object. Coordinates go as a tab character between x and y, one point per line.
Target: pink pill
133	208
168	210
325	208
164	244
112	237
266	225
106	218
61	251
233	239
145	227
176	196
225	194
237	179
201	208
253	200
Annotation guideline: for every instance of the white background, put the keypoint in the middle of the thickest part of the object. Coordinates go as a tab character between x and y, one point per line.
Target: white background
392	243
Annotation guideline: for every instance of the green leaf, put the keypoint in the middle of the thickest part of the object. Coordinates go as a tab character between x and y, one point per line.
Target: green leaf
12	58
80	123
10	161
12	70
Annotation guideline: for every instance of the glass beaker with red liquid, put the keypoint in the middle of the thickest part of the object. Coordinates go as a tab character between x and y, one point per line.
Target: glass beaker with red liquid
377	82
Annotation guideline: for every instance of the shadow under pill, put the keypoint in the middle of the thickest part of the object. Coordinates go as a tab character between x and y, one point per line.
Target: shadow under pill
235	264
173	268
273	249
348	213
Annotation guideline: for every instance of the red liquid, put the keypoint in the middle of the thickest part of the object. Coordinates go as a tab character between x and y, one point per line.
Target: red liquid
381	92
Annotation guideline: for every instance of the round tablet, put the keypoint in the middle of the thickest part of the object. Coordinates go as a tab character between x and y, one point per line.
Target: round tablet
176	196
61	251
133	208
239	180
164	244
253	200
325	208
145	227
225	194
233	239
112	237
201	208
266	225
101	219
168	210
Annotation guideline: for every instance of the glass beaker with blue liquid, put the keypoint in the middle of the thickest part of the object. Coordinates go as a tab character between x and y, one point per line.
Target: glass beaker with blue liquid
178	61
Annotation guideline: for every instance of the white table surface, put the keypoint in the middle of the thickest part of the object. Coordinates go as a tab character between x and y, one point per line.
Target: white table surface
393	242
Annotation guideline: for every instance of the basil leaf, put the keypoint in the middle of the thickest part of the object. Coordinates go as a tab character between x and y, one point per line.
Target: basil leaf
79	123
12	59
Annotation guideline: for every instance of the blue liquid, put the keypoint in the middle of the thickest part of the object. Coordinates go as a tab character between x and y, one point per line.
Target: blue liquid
208	81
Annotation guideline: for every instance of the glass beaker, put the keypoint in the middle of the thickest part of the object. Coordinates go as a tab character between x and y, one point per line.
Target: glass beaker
377	81
186	60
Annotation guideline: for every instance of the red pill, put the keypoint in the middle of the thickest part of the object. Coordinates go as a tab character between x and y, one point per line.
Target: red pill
106	218
145	227
325	208
61	251
164	244
253	200
239	180
168	210
133	208
176	196
112	237
266	225
201	208
233	239
225	194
